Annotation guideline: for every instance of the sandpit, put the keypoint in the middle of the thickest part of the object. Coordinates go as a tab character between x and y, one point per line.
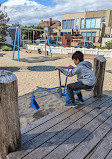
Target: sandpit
37	72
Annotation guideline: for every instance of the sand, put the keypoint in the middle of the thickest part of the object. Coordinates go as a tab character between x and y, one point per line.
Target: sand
37	72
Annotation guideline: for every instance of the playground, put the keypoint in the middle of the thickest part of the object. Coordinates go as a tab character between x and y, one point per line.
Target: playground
40	73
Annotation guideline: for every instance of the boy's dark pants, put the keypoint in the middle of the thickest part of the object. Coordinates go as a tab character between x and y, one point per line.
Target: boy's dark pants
74	87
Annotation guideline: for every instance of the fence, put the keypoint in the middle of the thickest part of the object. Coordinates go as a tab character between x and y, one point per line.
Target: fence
61	50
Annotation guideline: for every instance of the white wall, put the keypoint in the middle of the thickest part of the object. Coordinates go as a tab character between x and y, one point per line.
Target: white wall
61	50
104	40
9	40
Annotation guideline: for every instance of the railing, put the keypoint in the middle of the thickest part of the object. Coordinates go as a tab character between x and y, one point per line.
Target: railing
67	50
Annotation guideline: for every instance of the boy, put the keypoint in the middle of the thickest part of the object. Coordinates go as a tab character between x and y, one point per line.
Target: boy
85	76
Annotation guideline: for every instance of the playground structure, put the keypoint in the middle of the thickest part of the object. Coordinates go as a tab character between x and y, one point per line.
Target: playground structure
18	39
59	90
10	123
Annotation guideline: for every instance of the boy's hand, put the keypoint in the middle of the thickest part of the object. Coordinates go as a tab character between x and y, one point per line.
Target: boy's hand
58	68
71	67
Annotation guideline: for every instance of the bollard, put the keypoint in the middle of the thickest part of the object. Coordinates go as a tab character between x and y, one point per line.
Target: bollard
99	70
10	136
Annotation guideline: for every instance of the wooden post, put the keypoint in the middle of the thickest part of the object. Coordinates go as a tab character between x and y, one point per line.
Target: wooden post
10	136
99	69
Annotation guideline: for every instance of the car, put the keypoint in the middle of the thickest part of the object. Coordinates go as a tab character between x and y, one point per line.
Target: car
42	43
85	44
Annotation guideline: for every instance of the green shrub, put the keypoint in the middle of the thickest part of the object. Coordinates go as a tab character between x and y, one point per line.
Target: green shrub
109	44
101	47
32	43
6	48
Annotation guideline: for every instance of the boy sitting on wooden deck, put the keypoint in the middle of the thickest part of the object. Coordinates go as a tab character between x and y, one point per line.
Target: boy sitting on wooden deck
85	77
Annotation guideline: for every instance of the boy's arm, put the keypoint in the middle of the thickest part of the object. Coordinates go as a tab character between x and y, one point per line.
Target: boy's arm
73	72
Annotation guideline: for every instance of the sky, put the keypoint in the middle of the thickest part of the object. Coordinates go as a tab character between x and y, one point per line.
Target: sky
31	12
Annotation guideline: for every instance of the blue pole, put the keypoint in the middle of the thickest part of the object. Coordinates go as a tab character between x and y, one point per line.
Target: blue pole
18	43
14	44
66	80
45	43
49	43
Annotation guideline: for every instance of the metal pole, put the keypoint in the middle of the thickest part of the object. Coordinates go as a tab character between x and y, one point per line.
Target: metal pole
66	80
14	44
33	37
45	43
28	35
18	43
49	43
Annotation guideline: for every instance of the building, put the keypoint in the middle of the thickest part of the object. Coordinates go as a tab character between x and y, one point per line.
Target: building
11	35
51	26
92	25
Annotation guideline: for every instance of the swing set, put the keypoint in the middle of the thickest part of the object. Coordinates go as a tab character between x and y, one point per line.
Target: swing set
18	40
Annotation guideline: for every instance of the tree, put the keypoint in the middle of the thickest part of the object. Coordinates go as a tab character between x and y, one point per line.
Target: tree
37	34
3	27
109	44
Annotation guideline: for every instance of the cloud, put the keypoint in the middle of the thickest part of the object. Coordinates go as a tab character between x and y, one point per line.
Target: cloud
29	12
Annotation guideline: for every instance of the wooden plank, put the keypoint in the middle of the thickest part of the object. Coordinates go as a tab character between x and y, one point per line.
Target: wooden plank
57	140
47	125
40	121
31	145
91	141
104	147
109	156
49	117
70	144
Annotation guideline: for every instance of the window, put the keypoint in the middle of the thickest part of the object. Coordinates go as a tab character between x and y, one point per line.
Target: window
93	23
61	34
89	36
59	38
64	24
98	21
94	37
77	24
82	23
88	23
68	24
103	19
69	32
84	36
55	38
72	24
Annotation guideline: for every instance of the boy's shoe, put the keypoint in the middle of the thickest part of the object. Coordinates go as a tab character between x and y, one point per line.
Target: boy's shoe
71	105
81	101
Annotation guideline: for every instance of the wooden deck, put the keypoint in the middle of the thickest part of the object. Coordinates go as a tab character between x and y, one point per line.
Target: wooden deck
82	133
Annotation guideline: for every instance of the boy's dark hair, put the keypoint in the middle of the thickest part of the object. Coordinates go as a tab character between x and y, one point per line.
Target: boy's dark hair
78	55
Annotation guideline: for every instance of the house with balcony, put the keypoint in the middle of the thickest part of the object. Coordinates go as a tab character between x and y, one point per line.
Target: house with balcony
91	25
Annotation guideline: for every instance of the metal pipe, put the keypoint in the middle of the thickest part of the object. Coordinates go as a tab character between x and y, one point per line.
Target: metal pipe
47	94
45	43
49	43
14	44
33	29
18	44
66	80
45	89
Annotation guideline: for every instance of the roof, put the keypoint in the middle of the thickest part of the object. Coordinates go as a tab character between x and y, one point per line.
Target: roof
55	24
88	11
